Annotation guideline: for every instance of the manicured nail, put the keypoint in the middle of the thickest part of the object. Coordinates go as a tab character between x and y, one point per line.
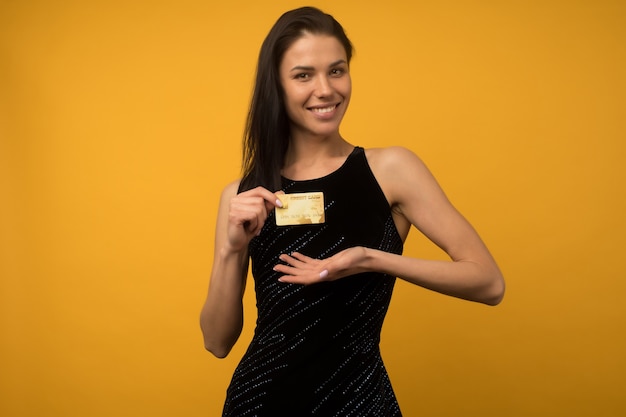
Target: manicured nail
279	203
324	274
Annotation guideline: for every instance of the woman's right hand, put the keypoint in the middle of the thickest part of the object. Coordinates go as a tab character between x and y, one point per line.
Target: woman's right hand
247	214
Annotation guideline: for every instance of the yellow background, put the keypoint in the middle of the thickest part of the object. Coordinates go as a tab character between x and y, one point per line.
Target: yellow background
120	122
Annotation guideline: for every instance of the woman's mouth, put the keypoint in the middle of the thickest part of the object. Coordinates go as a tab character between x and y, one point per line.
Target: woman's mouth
323	110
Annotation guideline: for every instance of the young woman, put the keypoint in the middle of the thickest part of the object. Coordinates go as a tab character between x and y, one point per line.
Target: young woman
323	222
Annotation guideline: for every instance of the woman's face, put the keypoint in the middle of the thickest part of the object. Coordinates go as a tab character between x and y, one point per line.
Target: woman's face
315	77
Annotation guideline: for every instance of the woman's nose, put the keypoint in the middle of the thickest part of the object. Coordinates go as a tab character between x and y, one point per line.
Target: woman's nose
323	87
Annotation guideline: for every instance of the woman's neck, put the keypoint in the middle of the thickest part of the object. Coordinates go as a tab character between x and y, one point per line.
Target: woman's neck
307	159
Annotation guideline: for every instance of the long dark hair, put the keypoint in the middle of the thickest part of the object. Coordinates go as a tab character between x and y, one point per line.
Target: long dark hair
266	135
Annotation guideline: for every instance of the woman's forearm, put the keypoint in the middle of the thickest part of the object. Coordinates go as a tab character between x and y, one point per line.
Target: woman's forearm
470	280
221	318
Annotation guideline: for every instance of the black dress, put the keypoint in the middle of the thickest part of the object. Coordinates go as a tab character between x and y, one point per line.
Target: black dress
315	350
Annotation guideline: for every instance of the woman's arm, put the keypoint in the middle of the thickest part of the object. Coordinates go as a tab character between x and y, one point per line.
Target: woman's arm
240	218
416	199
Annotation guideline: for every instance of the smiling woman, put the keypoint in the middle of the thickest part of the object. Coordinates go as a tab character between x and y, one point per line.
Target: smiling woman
315	76
324	272
119	119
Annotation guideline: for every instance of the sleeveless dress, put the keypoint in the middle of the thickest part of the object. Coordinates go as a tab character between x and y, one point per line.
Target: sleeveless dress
315	350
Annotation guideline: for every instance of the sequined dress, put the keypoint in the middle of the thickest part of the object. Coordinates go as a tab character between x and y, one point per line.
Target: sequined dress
315	350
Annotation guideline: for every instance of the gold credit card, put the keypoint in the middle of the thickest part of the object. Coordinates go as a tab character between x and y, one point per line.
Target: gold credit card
300	208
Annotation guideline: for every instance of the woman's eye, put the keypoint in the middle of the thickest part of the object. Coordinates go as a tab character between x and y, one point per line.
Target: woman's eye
337	72
302	76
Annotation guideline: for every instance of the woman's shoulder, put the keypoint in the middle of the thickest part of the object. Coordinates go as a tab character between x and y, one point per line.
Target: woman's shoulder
231	189
392	158
399	172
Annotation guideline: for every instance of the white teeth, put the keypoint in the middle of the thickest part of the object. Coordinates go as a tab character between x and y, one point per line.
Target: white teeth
325	109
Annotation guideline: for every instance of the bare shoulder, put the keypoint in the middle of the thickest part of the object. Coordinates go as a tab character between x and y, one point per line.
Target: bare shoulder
230	190
396	166
392	158
404	177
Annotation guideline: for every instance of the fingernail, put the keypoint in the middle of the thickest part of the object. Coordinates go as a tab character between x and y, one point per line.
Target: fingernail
279	203
324	274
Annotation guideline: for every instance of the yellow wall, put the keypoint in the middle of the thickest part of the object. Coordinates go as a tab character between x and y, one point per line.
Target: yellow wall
121	121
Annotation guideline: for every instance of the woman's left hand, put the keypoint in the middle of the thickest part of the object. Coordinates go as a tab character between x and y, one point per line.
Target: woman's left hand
301	269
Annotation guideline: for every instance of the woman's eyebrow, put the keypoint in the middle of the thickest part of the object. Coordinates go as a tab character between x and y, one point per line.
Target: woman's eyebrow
338	62
302	68
309	68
